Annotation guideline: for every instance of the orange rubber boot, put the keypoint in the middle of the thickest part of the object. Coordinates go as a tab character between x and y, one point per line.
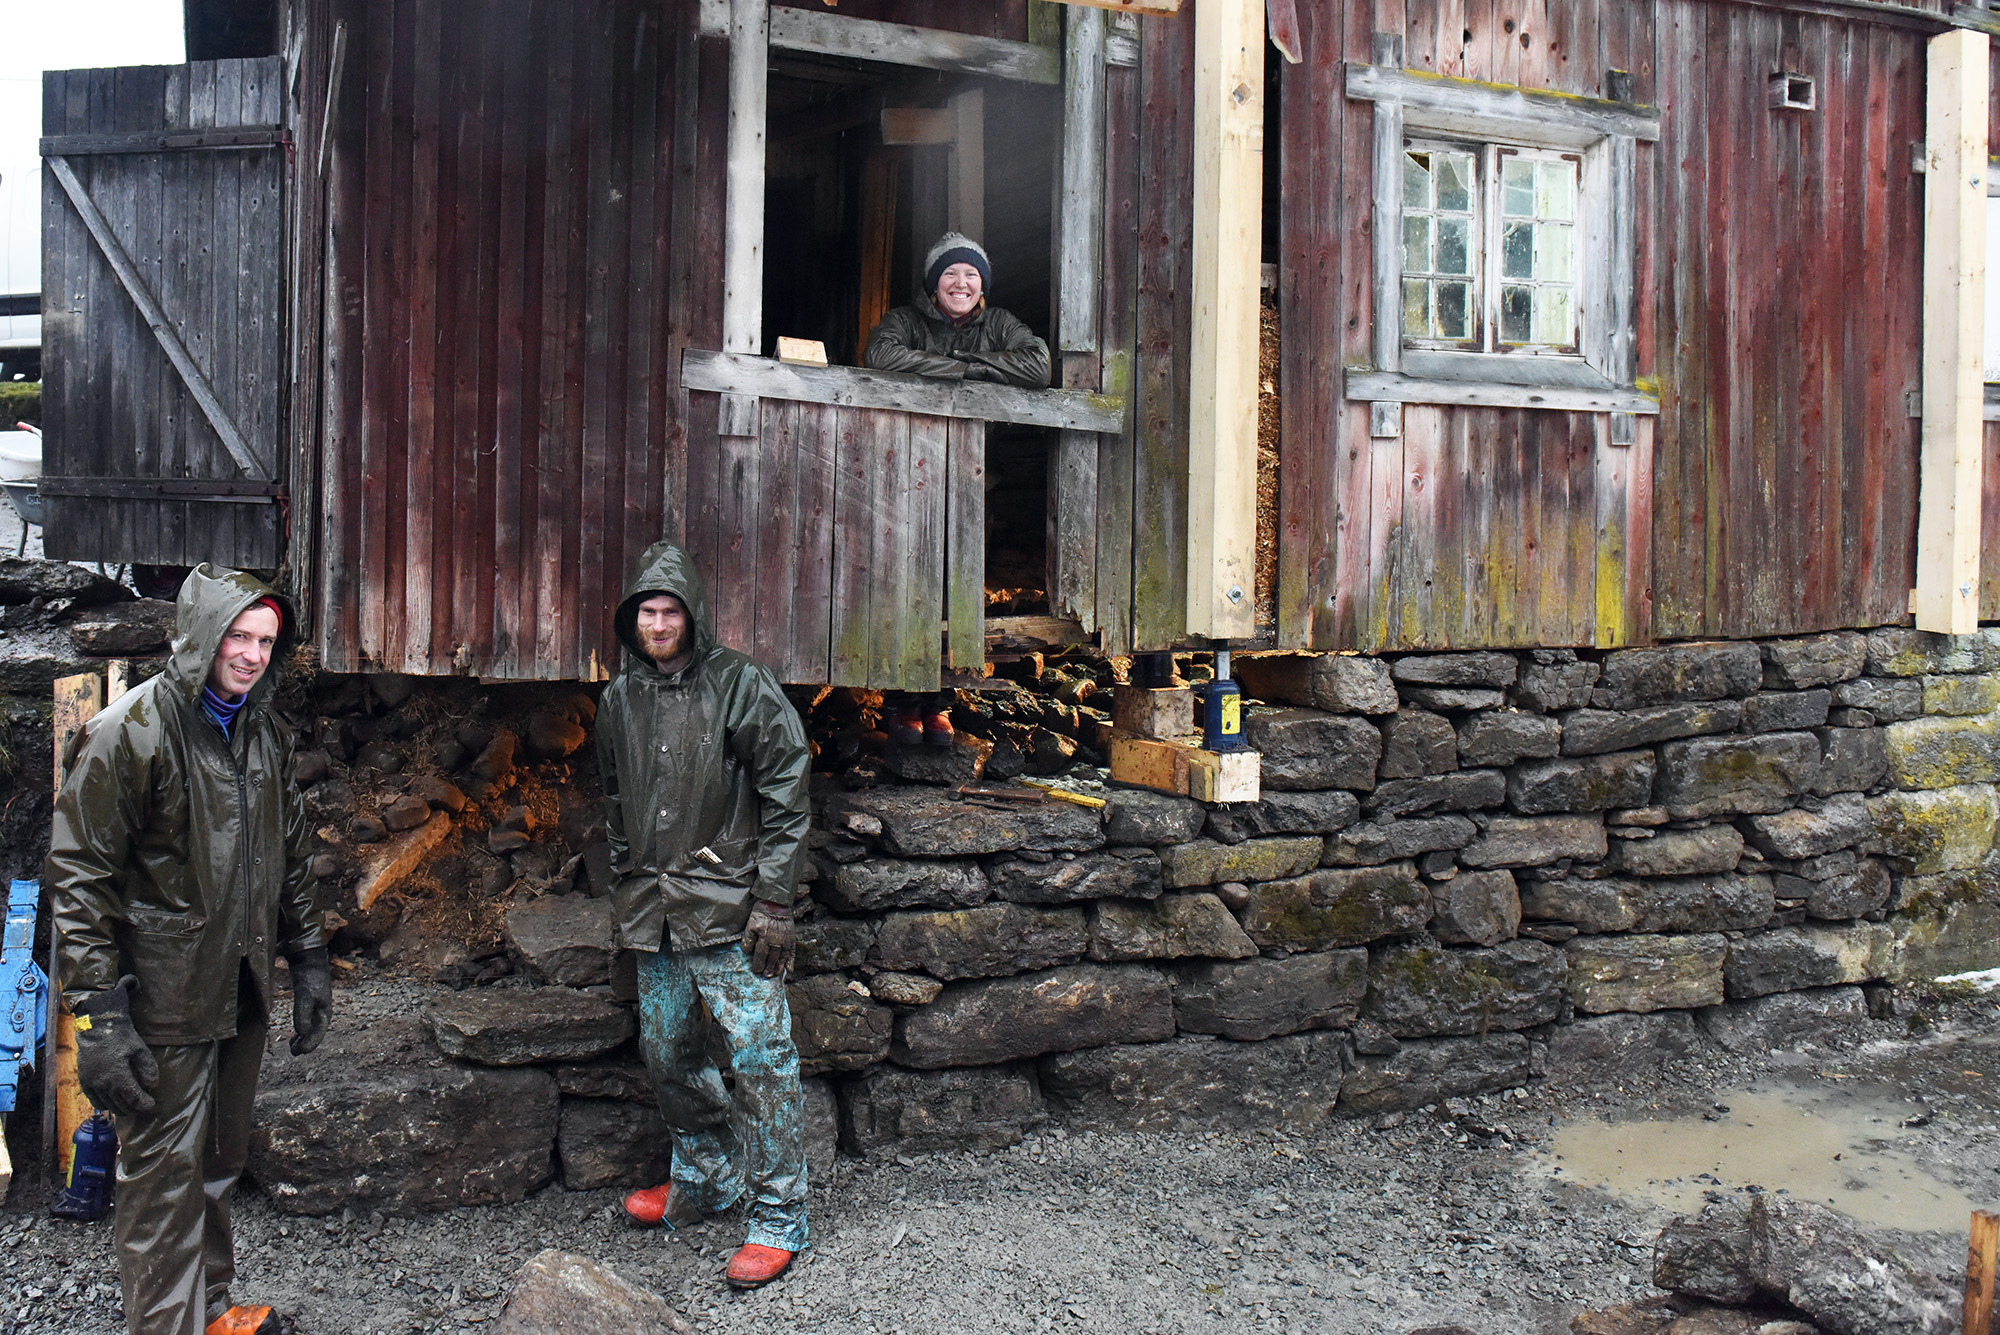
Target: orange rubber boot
248	1321
656	1205
755	1264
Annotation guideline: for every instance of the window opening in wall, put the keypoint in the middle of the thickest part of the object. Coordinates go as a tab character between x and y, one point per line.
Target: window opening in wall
1490	248
864	170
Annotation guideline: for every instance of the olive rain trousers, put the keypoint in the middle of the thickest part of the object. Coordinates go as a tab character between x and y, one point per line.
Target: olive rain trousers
176	1168
719	1158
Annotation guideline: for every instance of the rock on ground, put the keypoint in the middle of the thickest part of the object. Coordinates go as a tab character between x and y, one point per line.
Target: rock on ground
559	1293
517	1026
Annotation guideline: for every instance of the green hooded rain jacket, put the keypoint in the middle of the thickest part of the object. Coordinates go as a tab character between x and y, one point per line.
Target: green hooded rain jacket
992	345
176	853
704	779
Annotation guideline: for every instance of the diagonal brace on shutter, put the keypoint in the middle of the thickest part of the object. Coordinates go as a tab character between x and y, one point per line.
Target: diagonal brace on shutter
156	320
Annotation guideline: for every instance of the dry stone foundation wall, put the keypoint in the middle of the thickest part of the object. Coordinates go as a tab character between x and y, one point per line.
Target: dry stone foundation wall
1467	871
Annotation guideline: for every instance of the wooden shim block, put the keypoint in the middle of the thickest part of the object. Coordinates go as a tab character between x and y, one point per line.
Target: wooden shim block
899	44
852	387
801	351
1225	776
1144	762
1948	505
1222	387
397	857
1982	1273
78	699
1145	712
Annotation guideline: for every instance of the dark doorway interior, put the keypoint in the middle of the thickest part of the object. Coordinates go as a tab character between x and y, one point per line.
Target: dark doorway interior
854	197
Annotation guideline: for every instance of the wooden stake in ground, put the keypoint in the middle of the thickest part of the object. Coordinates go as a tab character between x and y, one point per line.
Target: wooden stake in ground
1980	1266
78	700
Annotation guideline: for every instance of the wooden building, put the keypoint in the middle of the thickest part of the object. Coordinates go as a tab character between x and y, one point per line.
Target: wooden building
1600	321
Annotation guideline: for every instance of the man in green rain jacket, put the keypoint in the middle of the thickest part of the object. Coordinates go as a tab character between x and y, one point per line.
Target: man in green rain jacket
179	869
704	764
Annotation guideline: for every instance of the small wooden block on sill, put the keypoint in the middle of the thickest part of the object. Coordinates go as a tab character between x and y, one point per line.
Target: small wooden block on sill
1147	762
1147	712
802	351
1225	776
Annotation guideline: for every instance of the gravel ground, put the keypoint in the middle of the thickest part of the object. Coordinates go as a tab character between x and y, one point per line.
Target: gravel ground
1456	1216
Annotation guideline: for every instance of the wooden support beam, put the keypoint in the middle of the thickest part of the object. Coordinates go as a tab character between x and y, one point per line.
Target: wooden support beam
967	213
1948	498
1228	236
965	547
1981	1273
1080	219
78	700
899	44
743	214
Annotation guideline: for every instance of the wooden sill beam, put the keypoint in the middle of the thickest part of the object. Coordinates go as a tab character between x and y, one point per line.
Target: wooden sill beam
899	44
1954	394
854	387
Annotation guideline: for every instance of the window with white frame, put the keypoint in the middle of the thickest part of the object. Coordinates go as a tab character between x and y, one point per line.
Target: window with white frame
1505	247
1490	244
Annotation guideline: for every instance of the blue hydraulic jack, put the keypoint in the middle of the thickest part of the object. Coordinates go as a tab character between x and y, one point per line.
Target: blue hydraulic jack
1222	710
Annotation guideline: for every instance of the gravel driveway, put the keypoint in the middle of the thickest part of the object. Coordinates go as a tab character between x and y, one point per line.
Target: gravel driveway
1459	1216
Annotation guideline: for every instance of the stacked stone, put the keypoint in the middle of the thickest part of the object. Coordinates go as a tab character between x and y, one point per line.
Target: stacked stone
1467	869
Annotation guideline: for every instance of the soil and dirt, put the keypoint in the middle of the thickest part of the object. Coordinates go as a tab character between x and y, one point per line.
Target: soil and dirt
1464	1215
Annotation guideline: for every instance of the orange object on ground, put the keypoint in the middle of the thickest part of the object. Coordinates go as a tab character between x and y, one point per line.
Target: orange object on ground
249	1321
756	1264
654	1205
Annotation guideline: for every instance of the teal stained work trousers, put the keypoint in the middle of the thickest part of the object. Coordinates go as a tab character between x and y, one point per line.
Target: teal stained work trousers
727	1148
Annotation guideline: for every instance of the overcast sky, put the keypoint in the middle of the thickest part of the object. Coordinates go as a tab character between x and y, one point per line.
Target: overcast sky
71	35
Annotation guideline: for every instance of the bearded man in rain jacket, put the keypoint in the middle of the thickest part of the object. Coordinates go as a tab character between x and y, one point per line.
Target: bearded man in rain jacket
704	763
179	868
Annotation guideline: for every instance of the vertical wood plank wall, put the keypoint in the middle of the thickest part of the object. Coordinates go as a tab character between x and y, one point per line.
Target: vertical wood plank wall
203	232
502	344
1789	306
1779	260
1989	510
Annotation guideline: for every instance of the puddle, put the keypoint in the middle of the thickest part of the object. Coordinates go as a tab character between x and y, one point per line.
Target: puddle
1833	1147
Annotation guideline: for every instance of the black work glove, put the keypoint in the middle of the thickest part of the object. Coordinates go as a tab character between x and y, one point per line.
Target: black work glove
312	998
769	938
113	1064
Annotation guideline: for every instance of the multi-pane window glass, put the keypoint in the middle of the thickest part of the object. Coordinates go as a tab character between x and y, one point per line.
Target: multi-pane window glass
1537	250
1490	248
1440	244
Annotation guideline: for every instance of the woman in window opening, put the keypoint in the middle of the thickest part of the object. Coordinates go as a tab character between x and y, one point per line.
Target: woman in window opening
950	332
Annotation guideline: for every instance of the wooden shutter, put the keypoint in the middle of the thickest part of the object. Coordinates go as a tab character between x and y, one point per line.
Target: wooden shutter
163	337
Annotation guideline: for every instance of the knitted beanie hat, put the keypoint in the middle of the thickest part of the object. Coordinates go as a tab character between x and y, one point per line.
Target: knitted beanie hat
956	248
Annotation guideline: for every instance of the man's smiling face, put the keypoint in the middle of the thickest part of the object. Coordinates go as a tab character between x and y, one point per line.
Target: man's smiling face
245	653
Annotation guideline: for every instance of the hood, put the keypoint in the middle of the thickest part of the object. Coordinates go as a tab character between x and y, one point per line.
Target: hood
211	598
664	568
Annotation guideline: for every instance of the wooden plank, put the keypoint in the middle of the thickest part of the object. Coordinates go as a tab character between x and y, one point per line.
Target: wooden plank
965	546
1117	312
920	595
879	178
815	446
1080	221
1946	598
156	320
1222	386
899	44
1496	110
1160	471
1982	1273
1384	387
854	523
750	36
967	176
426	448
164	141
851	387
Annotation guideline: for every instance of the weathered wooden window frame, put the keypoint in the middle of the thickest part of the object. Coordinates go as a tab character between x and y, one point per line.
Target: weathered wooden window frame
1602	376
